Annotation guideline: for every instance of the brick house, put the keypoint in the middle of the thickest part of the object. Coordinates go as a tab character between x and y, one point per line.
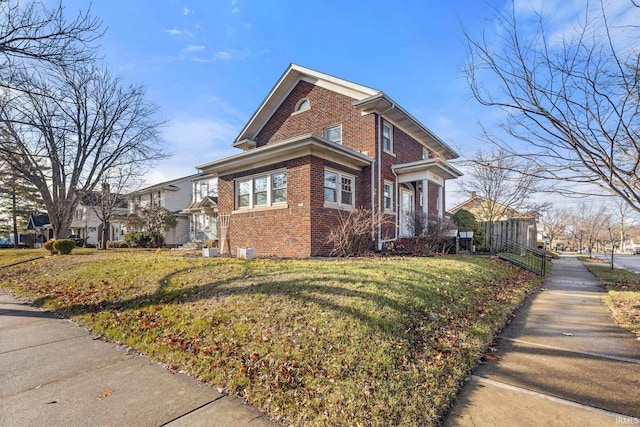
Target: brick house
319	146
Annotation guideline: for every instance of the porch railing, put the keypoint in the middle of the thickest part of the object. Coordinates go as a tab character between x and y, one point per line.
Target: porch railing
520	255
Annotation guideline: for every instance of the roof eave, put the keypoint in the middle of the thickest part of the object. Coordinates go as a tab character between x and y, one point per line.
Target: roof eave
309	144
386	107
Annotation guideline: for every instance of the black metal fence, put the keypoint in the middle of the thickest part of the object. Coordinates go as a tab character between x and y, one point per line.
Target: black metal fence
520	255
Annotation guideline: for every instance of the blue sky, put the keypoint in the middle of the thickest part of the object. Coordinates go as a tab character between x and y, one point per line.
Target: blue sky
209	64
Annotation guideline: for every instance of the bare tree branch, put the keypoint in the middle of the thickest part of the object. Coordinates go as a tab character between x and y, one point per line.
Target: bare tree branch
573	101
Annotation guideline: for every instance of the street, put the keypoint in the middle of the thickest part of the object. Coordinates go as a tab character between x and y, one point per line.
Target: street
628	262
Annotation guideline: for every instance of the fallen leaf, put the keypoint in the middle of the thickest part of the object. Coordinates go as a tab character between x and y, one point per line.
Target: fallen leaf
49	403
105	393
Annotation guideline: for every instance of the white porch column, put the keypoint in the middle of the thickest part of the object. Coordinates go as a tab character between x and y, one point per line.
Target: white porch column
425	196
440	202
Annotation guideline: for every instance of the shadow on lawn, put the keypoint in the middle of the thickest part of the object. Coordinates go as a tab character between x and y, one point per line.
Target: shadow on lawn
386	306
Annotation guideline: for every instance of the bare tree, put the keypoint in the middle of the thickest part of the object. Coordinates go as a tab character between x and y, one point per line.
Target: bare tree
590	224
32	33
417	222
554	223
623	219
69	127
571	98
505	184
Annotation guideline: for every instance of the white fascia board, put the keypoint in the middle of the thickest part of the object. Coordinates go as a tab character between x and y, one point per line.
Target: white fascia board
293	148
287	82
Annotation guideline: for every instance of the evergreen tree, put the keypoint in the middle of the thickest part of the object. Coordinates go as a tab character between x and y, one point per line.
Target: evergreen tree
18	200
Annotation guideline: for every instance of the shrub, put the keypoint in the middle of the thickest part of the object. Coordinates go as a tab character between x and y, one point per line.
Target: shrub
64	246
142	239
117	244
351	233
48	245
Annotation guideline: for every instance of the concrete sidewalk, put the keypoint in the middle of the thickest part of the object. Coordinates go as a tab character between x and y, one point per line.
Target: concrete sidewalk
54	373
561	362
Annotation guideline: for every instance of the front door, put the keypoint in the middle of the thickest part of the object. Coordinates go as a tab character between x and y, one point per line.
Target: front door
406	205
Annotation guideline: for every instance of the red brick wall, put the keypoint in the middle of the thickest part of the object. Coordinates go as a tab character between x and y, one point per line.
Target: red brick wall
327	108
323	219
433	200
301	228
280	232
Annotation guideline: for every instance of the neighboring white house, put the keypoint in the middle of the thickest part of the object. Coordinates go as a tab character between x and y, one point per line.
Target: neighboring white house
172	195
87	225
203	209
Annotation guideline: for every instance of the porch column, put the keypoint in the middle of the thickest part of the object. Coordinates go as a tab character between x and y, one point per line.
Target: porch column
425	196
440	202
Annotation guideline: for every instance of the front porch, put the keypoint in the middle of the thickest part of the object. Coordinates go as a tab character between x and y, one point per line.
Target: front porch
420	187
203	222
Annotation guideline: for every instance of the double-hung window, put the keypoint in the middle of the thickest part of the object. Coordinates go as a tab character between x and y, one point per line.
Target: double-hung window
261	191
279	187
333	133
387	137
339	189
388	196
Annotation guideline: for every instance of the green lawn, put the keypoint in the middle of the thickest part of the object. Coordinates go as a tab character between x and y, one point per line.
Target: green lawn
624	294
371	341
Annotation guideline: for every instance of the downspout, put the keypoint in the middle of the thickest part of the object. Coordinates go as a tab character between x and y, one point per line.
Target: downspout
380	183
379	156
373	201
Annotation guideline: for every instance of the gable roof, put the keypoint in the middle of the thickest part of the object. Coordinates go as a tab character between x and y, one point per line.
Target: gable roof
167	185
37	221
367	99
287	82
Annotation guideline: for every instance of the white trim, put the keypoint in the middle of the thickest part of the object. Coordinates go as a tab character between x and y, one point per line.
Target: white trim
390	126
331	127
388	210
285	85
297	109
252	178
293	148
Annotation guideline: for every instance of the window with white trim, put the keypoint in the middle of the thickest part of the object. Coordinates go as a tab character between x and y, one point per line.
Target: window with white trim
339	189
388	196
387	137
261	190
333	133
279	187
302	105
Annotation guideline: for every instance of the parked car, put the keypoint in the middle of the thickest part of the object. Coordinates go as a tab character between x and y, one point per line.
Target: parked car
636	250
79	240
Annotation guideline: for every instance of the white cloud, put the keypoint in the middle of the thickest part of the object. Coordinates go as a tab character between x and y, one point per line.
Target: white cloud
194	48
186	11
193	141
224	56
173	32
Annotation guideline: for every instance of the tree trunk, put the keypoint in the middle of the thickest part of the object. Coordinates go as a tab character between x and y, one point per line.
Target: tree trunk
14	215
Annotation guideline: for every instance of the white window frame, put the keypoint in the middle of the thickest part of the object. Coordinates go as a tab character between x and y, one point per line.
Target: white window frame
300	108
339	190
385	198
388	125
329	128
251	184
